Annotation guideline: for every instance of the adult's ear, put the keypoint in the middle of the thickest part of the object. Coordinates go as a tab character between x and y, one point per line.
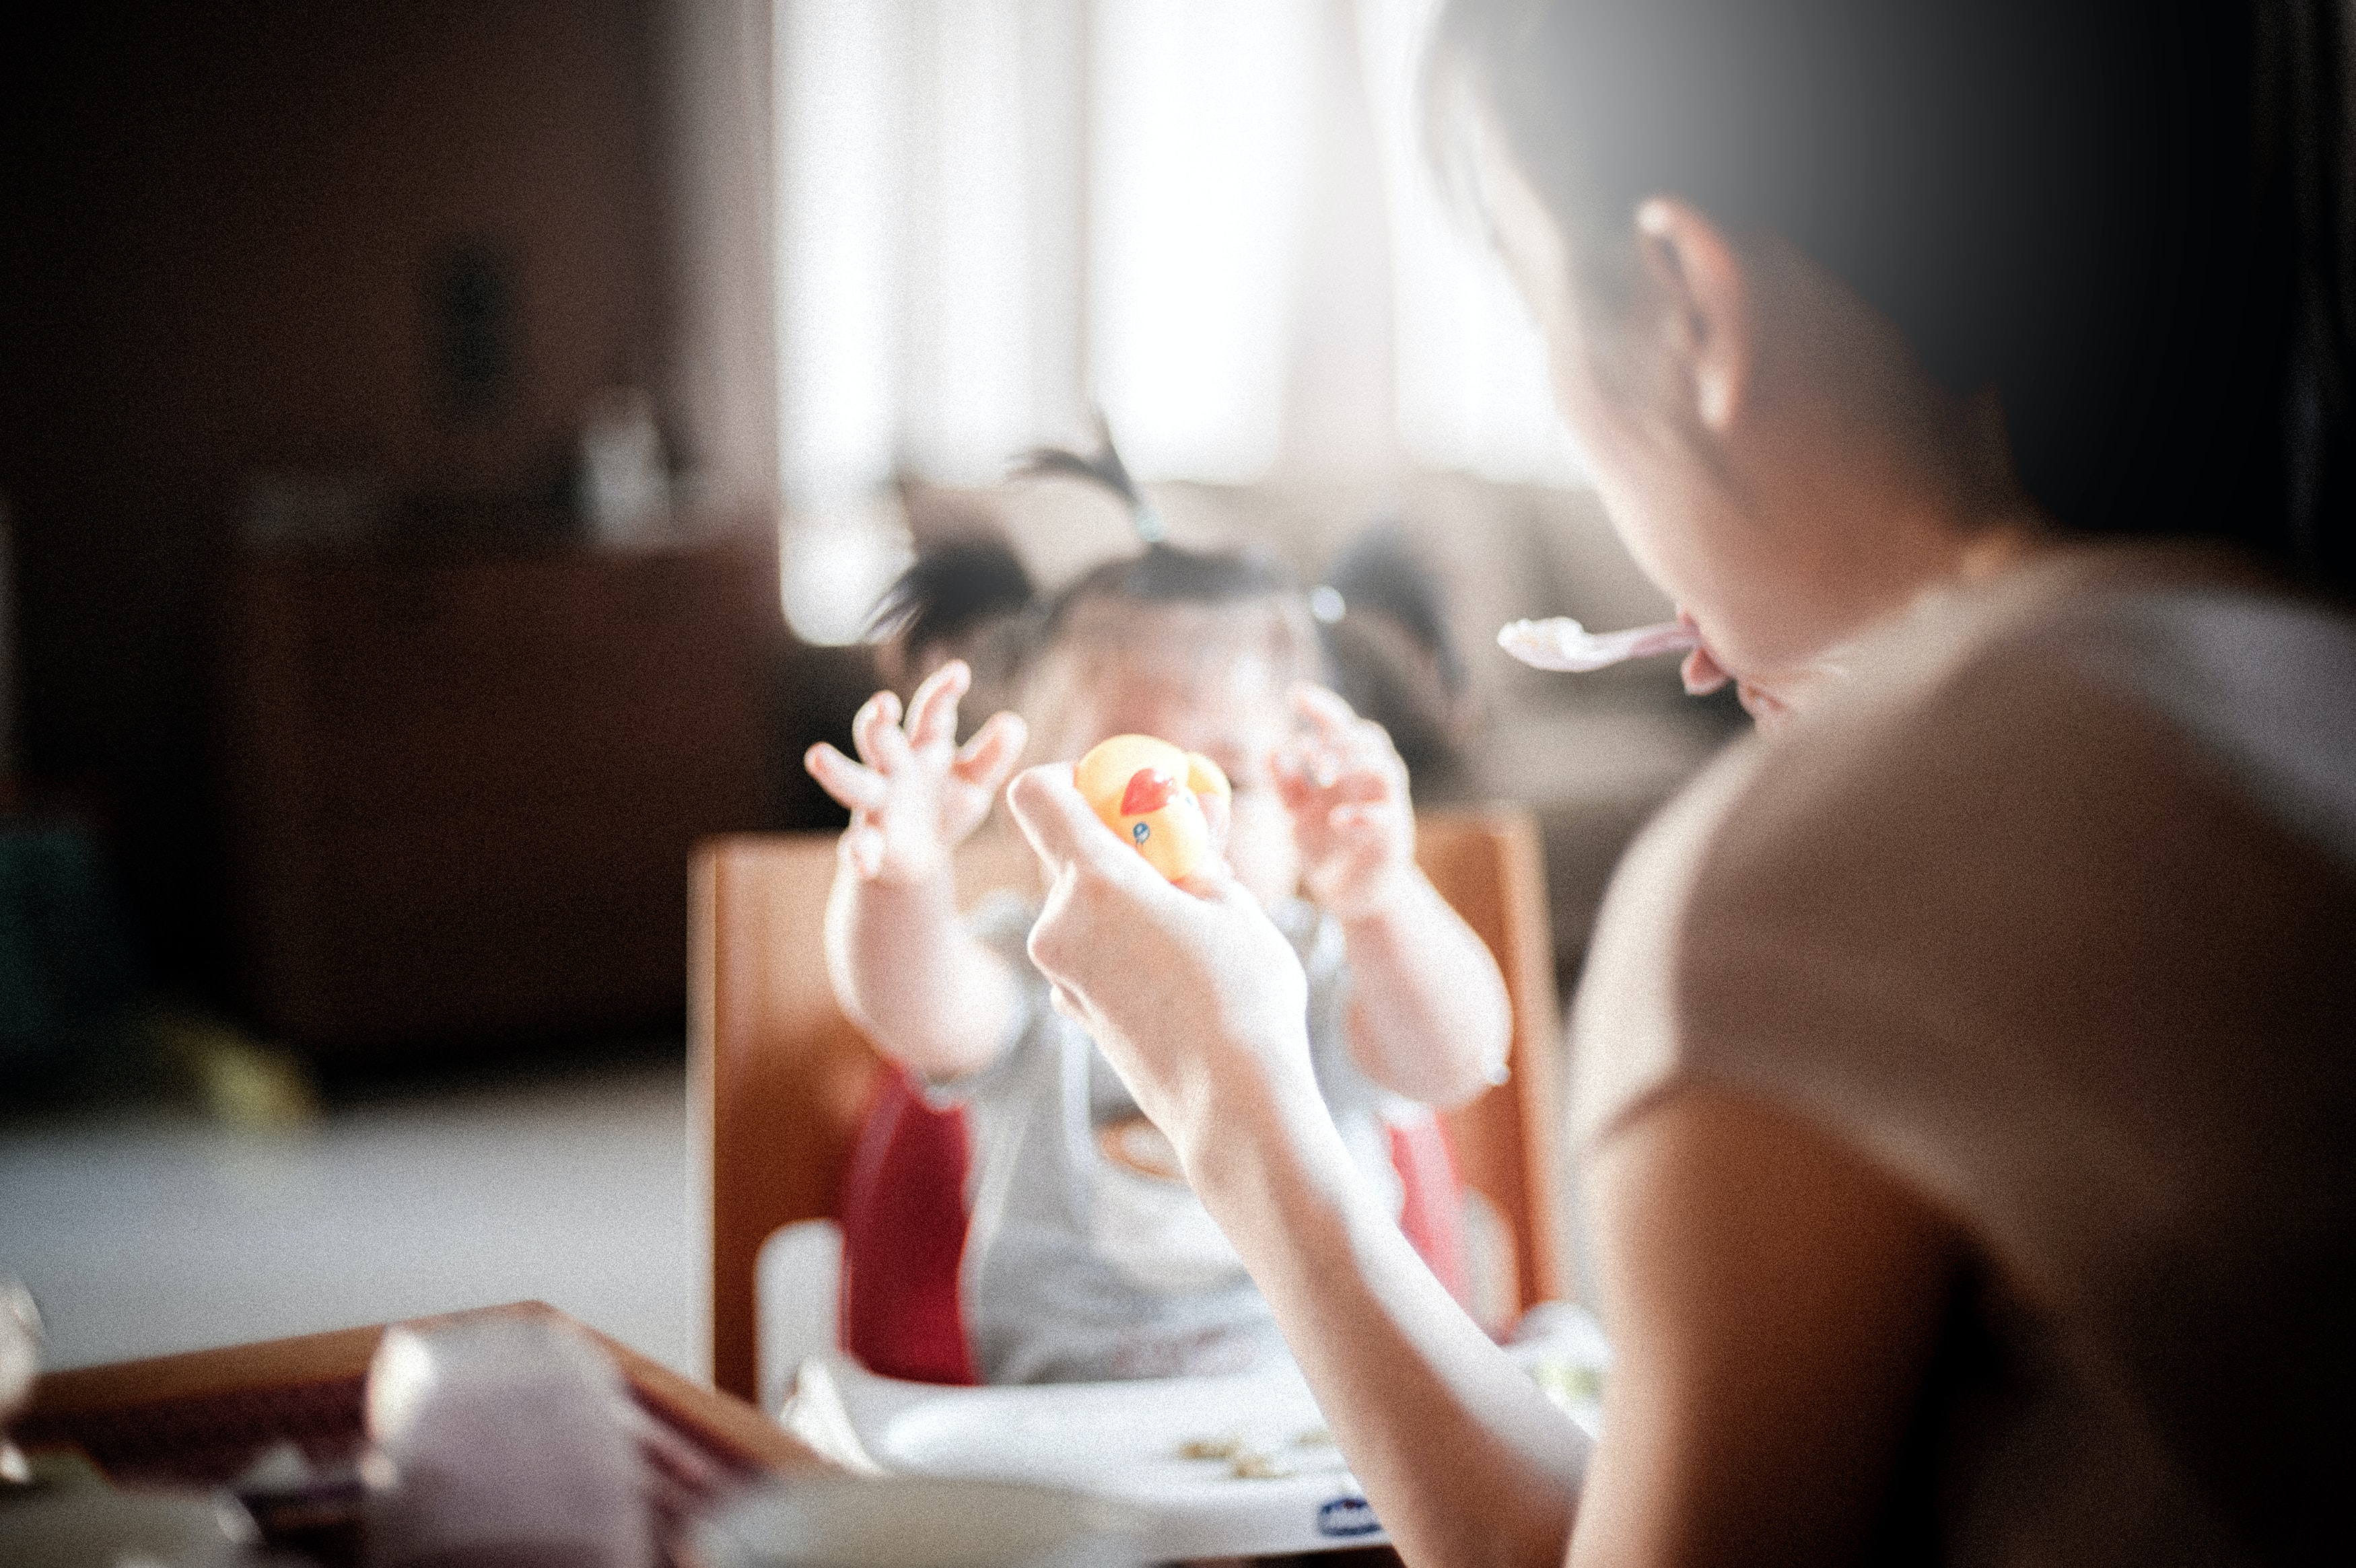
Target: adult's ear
1706	312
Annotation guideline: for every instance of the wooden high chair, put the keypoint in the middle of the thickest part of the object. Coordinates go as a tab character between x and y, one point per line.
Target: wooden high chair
781	1080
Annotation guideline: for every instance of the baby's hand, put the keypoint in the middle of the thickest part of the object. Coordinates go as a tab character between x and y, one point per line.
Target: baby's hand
920	795
1346	788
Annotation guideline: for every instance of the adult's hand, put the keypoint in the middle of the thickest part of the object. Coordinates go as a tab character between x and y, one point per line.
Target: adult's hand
1199	1001
1194	995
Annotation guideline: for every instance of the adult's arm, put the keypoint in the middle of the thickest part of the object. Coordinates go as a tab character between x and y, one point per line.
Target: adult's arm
1773	1294
1776	1296
1199	1002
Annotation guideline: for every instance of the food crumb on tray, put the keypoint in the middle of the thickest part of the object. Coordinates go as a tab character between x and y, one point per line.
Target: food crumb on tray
1249	1462
1211	1448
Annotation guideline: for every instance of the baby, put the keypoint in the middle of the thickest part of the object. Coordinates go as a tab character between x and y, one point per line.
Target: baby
1086	1257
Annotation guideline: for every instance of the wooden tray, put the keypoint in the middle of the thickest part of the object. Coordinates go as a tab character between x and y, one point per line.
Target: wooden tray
199	1419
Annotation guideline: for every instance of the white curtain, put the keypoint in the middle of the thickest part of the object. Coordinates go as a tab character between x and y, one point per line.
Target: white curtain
1210	219
1472	375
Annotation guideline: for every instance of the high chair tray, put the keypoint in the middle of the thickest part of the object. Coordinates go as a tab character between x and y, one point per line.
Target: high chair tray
1214	1466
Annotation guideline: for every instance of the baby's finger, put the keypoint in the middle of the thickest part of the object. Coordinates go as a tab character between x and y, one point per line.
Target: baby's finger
862	850
1309	762
995	748
1213	877
1353	821
890	739
1327	714
1359	787
1299	801
1284	766
846	780
1368	745
876	716
932	712
1213	882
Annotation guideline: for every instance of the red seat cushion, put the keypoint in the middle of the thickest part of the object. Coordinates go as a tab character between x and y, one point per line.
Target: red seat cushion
1432	1213
903	1234
903	1223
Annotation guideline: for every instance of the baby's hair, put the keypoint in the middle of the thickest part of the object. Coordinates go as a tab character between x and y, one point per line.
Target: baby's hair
955	587
1167	574
1394	656
1106	470
1384	639
1381	572
1161	573
977	582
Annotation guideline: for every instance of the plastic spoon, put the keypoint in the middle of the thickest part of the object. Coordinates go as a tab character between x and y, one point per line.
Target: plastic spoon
1563	644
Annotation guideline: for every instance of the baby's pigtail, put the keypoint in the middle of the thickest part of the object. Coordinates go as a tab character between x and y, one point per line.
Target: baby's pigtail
954	590
1383	615
1380	572
1105	470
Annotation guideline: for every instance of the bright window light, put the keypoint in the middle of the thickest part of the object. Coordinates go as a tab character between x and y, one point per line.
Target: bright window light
992	215
842	140
834	564
970	260
1474	393
1201	146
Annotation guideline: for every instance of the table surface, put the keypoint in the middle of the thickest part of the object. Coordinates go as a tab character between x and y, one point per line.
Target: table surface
197	1418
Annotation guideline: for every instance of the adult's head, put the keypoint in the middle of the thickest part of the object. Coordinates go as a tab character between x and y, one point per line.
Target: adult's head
1840	290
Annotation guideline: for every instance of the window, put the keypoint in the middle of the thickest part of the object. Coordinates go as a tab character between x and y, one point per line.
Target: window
1210	219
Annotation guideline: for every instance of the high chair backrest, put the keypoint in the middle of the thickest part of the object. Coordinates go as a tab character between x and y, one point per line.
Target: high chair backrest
781	1080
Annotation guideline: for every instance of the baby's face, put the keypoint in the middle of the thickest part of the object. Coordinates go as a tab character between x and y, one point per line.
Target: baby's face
1204	692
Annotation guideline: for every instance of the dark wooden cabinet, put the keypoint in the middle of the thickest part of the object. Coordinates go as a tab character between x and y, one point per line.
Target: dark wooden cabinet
461	794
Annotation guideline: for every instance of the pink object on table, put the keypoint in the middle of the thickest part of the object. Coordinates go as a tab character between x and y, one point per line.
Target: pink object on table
501	1440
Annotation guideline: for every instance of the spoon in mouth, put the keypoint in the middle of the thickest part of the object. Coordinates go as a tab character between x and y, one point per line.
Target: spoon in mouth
1562	644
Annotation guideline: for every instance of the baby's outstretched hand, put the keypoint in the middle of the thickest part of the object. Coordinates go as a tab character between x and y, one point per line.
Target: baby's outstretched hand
919	794
1344	782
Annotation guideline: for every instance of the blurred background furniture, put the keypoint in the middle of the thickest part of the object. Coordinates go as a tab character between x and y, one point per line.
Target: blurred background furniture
459	790
780	1081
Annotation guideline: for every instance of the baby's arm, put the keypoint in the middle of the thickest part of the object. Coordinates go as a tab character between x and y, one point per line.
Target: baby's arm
905	967
1429	1016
